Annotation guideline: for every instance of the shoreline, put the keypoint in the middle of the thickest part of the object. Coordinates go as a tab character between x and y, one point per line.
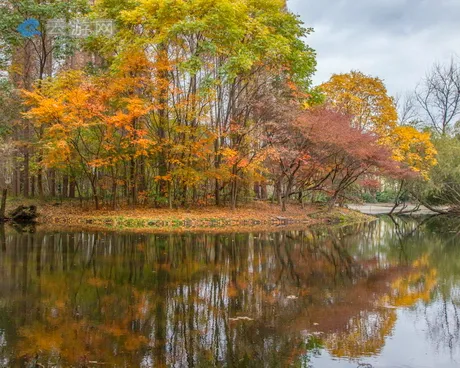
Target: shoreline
376	209
252	217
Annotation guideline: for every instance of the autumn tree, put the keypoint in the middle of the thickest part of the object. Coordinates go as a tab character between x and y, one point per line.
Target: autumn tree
320	149
89	126
374	111
203	67
365	98
26	59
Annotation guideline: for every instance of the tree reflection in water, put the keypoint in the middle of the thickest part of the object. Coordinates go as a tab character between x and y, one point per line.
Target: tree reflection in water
238	300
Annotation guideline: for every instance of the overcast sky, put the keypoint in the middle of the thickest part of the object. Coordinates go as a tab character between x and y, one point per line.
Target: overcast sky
396	40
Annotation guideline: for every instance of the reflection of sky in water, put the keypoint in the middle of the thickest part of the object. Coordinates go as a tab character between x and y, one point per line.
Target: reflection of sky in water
4	361
412	344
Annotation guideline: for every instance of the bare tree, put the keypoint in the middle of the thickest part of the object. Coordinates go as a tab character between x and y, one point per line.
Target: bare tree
406	105
439	96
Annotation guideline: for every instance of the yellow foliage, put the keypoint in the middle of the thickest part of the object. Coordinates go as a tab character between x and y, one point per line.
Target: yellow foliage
365	336
413	148
365	98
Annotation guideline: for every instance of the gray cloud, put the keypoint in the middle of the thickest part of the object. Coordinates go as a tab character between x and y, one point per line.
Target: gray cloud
397	40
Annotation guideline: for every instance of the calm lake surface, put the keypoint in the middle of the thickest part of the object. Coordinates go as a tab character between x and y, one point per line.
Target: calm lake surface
384	294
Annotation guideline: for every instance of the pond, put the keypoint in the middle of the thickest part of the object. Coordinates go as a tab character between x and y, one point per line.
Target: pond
382	294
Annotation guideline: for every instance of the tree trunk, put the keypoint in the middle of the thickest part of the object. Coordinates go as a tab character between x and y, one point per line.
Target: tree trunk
217	158
40	180
263	188
170	195
3	204
217	192
16	178
72	186
114	194
142	187
32	186
332	201
65	186
258	190
26	174
132	180
234	194
234	189
279	194
163	75
96	199
52	183
287	192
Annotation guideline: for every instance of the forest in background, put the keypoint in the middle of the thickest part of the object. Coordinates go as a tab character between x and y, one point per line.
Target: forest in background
210	102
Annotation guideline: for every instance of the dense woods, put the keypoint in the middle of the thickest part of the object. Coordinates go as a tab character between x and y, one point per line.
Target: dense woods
194	103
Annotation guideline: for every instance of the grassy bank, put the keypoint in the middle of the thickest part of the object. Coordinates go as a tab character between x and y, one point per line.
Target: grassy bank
250	217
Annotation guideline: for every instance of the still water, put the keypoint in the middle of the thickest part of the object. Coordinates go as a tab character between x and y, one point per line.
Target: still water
383	294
